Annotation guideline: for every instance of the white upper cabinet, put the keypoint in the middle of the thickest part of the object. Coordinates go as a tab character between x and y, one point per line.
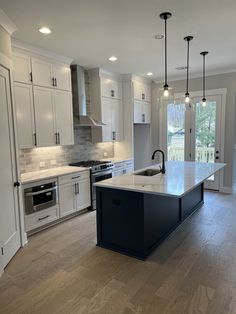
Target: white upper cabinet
142	112
62	76
43	98
142	102
44	116
106	105
42	72
142	91
63	117
117	119
22	68
24	115
111	87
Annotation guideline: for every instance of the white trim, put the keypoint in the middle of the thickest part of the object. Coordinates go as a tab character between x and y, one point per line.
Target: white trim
40	51
6	23
210	92
195	76
228	190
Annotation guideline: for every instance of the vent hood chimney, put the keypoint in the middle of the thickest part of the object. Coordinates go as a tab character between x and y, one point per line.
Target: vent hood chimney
79	98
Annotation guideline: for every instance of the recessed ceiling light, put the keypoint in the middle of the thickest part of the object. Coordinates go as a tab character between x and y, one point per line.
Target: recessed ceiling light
113	58
149	74
45	30
159	36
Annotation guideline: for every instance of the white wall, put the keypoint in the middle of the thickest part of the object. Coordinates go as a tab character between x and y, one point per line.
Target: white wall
228	81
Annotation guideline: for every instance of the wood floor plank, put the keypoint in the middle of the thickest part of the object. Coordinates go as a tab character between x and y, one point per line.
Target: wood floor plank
62	271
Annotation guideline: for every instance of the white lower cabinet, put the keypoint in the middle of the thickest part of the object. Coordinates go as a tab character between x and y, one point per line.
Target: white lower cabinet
74	193
67	199
41	218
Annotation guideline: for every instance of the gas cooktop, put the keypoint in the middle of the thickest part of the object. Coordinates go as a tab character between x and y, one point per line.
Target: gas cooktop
95	165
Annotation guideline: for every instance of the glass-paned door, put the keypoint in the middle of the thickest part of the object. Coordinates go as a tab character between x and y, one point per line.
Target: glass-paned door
206	136
193	133
176	131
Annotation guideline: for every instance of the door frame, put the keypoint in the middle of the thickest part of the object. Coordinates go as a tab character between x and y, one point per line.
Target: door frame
7	63
222	92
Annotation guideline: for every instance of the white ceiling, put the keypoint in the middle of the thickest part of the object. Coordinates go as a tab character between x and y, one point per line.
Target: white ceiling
90	31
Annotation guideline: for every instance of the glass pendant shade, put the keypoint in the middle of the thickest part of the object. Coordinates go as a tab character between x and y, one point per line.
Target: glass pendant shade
187	98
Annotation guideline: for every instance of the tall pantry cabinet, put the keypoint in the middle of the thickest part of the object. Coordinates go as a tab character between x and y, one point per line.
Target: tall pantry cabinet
43	99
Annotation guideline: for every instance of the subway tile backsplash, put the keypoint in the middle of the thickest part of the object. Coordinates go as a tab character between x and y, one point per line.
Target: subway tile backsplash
48	157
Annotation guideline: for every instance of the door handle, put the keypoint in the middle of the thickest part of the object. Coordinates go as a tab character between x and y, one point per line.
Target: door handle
35	139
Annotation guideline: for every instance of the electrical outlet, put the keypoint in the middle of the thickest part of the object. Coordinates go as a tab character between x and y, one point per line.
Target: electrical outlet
53	162
105	154
42	164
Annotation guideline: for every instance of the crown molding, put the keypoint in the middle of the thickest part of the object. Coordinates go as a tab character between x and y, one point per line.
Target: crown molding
6	23
40	51
197	75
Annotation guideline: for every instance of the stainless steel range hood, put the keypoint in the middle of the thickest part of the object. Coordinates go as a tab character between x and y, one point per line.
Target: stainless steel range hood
79	99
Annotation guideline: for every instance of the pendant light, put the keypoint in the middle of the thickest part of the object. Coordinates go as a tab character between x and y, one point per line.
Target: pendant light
204	53
165	16
188	39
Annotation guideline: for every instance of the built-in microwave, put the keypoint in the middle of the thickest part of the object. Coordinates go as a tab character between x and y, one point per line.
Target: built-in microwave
40	197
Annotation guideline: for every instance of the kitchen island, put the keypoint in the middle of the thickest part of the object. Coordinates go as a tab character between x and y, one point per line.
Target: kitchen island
137	211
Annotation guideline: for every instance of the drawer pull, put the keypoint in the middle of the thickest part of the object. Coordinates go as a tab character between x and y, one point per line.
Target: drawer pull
43	218
75	177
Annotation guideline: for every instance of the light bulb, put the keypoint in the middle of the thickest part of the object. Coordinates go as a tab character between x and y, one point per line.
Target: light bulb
166	93
204	102
187	99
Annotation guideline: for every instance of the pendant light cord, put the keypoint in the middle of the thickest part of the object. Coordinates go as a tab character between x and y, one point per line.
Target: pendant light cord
187	67
204	85
165	52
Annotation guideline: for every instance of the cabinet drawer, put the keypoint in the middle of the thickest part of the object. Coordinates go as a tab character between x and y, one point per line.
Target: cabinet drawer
74	177
41	218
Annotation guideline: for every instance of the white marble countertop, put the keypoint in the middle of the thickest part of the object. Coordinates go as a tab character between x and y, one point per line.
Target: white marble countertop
180	177
117	159
34	176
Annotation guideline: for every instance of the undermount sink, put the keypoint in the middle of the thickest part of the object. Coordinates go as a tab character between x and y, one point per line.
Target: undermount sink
148	172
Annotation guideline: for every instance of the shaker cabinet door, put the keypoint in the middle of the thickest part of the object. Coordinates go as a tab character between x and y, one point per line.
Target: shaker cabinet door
63	117
62	76
42	72
44	116
22	68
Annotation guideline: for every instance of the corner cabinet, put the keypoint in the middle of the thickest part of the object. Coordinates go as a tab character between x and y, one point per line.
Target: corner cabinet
106	105
43	99
142	102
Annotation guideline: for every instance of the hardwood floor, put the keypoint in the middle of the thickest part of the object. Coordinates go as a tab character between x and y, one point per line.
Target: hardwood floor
62	271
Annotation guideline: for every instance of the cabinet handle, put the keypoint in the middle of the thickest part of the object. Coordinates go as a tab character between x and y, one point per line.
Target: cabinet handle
143	96
112	93
59	139
56	138
35	139
75	188
113	135
43	217
78	188
16	184
55	81
31	77
75	177
143	117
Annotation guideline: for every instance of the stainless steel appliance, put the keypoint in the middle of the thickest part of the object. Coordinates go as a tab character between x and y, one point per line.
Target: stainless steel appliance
99	170
40	197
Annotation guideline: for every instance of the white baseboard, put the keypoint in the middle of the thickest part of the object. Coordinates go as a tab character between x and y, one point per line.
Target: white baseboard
228	189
